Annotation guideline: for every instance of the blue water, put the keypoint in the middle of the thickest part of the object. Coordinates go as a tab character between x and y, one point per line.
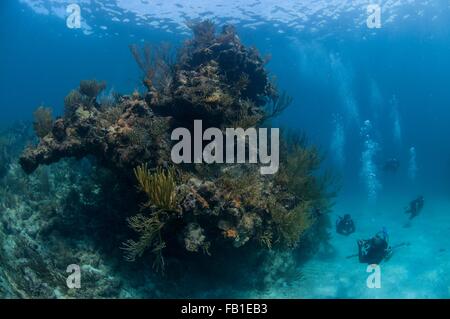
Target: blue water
340	74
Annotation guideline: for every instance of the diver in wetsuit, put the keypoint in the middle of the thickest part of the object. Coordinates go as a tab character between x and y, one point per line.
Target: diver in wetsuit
415	207
345	225
375	249
391	165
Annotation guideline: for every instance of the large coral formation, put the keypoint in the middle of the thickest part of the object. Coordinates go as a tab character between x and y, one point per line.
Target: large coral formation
191	209
215	79
120	141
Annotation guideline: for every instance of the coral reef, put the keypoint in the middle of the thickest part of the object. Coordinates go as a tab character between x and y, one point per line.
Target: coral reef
120	138
188	214
35	211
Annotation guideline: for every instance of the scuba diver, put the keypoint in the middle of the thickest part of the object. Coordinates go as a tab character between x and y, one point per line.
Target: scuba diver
375	249
415	207
391	165
345	225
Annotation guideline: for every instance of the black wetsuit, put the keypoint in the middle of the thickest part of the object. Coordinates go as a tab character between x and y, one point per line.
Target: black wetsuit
345	225
374	250
415	207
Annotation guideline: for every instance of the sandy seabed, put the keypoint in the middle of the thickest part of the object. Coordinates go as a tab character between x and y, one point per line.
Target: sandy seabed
419	270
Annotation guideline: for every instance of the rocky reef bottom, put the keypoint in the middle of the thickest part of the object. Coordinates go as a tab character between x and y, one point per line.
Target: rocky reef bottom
72	212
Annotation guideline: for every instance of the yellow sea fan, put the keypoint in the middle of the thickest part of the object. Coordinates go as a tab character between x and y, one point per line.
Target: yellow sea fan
159	186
